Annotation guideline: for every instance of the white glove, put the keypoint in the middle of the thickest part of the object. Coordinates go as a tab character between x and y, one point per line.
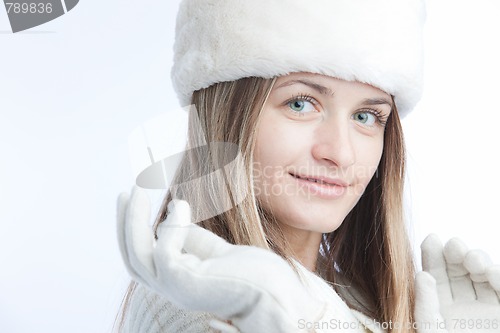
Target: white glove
458	291
195	269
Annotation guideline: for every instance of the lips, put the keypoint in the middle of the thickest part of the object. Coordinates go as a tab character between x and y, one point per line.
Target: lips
321	186
322	180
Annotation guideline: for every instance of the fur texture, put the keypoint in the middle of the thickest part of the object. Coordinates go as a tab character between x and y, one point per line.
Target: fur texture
378	42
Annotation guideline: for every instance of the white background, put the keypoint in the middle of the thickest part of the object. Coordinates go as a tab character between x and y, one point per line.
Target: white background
72	90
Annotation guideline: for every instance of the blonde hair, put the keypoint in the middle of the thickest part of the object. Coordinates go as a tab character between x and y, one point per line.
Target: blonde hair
370	250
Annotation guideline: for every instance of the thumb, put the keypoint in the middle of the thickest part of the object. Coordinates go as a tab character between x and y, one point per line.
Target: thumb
427	314
173	231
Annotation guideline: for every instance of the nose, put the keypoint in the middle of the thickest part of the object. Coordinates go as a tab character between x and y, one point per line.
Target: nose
333	144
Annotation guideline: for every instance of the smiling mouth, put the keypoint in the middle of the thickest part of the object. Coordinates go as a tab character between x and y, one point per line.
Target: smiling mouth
322	187
323	181
314	180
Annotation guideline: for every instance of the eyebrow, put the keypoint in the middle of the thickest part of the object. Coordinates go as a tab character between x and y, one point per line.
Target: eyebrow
318	87
376	101
327	91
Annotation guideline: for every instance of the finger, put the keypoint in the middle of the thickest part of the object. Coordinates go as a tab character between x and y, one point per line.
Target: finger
172	234
434	263
122	205
138	235
460	281
427	313
493	275
476	262
174	229
178	272
205	244
121	209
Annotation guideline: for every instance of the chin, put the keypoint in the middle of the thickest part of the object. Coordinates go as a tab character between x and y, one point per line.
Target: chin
315	221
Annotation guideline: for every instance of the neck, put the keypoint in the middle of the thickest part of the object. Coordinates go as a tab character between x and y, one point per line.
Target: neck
305	246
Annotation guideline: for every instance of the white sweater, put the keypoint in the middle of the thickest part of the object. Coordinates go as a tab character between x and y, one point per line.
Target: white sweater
149	312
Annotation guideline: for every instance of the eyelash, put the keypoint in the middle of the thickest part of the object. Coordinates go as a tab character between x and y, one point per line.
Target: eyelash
381	118
300	97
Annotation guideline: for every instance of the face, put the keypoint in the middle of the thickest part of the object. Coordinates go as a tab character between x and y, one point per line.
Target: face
319	142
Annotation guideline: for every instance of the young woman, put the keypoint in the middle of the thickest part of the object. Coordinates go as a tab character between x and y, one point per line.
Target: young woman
295	174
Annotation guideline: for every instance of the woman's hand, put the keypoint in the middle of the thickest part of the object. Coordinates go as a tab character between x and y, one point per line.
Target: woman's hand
458	291
195	269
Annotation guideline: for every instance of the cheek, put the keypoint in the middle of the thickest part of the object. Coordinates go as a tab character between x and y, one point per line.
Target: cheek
278	142
270	160
369	157
265	158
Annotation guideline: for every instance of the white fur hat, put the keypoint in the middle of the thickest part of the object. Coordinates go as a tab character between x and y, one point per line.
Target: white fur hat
378	42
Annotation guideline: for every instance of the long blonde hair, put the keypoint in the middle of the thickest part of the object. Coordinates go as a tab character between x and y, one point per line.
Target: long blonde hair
370	250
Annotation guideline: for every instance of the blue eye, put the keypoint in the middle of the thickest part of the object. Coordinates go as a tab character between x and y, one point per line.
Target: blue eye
297	106
301	105
365	117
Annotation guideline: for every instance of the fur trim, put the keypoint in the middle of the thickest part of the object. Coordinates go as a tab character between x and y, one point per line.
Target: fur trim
378	42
